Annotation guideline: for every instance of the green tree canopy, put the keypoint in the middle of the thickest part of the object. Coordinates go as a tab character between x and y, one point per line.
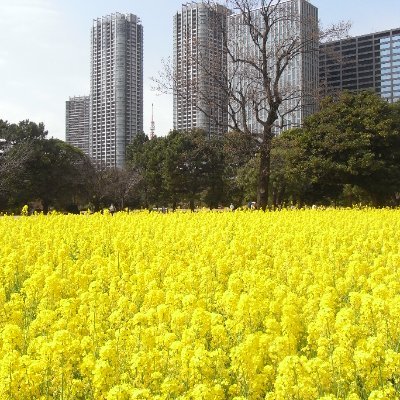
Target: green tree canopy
147	160
183	167
194	167
35	168
352	143
12	134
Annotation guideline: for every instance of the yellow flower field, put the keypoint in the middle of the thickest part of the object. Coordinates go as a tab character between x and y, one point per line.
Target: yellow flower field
244	305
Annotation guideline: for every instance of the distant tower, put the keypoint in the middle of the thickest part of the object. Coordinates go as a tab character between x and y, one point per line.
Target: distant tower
116	111
77	122
200	60
152	125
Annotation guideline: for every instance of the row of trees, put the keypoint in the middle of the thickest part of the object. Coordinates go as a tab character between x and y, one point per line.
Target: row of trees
47	173
188	168
347	153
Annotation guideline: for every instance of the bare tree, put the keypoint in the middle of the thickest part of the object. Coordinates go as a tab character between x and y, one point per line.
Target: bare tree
11	165
268	43
114	185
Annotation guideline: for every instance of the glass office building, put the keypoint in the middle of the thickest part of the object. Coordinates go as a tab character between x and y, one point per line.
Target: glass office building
368	62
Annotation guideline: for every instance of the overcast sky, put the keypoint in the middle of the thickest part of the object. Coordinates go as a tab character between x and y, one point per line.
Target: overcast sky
45	50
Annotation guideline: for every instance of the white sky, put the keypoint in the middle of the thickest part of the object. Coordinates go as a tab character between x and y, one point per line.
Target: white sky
45	50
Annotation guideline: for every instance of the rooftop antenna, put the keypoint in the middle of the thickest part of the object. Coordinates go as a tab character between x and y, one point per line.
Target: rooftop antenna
152	125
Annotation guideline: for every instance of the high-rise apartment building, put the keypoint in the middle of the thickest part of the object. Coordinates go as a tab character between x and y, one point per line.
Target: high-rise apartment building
367	62
116	87
199	62
77	122
293	37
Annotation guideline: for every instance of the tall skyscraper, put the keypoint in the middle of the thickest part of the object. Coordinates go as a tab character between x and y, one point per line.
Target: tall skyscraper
293	38
199	62
367	62
77	122
116	87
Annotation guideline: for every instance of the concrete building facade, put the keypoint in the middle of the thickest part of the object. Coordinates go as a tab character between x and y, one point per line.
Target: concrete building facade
116	87
199	67
367	62
77	116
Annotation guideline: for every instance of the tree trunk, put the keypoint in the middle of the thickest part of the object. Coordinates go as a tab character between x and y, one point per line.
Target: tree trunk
45	205
275	197
278	196
264	173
